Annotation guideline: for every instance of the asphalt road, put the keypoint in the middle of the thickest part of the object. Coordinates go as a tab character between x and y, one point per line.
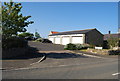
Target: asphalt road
71	68
65	66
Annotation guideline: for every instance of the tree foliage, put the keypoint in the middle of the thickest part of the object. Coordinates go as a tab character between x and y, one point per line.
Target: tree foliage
13	20
26	34
113	42
37	35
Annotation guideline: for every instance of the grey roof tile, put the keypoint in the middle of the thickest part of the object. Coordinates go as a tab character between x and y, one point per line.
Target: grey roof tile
73	32
107	36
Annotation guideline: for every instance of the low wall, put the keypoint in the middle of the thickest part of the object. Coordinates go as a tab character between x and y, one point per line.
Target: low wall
14	52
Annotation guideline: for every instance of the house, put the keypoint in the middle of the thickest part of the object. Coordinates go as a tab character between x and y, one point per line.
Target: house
88	36
107	36
53	32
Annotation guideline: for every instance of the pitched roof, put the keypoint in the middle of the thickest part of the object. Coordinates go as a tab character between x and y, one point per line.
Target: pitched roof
54	32
107	36
73	32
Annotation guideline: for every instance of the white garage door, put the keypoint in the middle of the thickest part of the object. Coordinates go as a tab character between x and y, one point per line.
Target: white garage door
65	40
51	39
77	40
57	40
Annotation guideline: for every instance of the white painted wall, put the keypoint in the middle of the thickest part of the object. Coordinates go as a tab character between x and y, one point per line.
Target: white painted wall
77	40
51	39
65	40
57	40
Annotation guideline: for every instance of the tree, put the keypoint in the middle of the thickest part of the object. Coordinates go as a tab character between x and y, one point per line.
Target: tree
26	34
13	20
37	35
113	42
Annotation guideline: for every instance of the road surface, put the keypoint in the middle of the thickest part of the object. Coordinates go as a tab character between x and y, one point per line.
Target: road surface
60	65
71	68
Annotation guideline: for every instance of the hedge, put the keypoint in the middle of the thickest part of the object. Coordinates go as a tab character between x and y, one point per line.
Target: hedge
71	46
39	40
14	42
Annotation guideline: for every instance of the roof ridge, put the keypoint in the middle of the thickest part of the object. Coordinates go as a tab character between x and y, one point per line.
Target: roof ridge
78	30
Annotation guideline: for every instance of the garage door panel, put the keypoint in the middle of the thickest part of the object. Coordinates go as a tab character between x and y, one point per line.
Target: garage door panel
65	40
51	39
76	40
57	40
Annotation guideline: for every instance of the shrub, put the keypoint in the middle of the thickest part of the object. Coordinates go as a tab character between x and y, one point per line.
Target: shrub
85	46
76	46
114	52
105	44
43	40
91	46
70	46
14	42
26	34
46	41
82	46
37	35
39	39
113	42
79	46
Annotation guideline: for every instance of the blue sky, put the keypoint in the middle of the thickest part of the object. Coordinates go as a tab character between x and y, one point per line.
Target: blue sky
68	16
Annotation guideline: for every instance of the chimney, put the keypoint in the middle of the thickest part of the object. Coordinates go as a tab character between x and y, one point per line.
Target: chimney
109	32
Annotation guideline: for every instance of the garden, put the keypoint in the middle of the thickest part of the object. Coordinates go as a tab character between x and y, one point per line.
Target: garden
109	47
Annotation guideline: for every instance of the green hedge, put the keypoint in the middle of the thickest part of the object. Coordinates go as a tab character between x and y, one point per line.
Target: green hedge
114	52
76	46
39	40
70	47
13	42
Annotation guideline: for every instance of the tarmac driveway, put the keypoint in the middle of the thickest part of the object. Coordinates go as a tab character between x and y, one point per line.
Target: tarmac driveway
59	64
46	46
56	56
34	54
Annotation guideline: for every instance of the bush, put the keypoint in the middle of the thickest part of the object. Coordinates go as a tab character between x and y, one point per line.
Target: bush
14	42
29	38
70	47
39	40
113	42
91	46
82	46
43	40
76	46
105	44
46	41
79	46
114	52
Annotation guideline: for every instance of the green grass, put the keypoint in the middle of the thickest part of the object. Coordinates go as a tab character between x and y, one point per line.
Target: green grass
83	50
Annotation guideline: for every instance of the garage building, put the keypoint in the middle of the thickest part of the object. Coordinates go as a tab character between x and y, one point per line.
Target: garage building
87	36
